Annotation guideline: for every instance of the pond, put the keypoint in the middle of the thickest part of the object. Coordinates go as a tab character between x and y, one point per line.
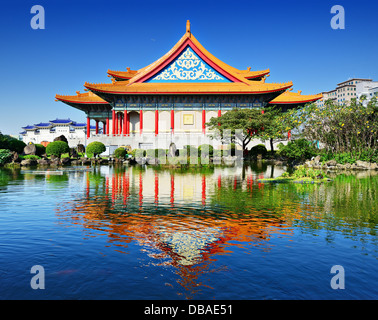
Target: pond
142	233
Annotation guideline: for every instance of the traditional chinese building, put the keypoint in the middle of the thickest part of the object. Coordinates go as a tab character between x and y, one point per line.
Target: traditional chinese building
45	132
172	98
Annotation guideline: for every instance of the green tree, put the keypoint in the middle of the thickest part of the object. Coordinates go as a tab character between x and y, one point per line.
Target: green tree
95	148
238	126
120	153
10	143
57	148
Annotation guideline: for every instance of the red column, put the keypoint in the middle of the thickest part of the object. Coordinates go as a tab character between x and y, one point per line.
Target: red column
107	126
141	121
289	135
156	122
128	124
173	120
219	115
203	121
113	122
103	127
116	123
96	126
88	127
120	117
125	122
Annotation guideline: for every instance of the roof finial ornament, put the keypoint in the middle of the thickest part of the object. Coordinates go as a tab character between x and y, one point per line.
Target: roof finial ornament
188	26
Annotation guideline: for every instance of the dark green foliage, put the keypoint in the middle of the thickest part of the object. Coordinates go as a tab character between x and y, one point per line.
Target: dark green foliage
5	156
120	153
256	150
57	148
299	150
205	150
40	149
12	144
138	153
95	148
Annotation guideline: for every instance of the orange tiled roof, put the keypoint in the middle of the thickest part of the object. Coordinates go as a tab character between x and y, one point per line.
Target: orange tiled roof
240	83
289	97
123	87
83	98
122	75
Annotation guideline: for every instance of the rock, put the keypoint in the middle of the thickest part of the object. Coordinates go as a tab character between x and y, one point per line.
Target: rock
309	164
43	162
15	157
30	149
61	138
373	166
73	153
66	161
331	163
28	162
75	162
172	150
340	166
363	164
80	148
317	160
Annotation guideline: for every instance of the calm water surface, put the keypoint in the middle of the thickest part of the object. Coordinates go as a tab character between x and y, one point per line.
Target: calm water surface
139	233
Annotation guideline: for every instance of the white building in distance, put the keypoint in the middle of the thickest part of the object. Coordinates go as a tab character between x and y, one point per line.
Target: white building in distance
45	132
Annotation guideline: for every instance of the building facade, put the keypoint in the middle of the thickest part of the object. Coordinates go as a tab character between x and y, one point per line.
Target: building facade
45	132
369	89
344	92
171	99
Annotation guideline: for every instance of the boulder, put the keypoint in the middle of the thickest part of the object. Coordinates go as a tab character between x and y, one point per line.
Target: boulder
331	163
373	166
15	157
80	148
363	164
43	162
30	149
66	161
28	162
317	160
61	138
172	150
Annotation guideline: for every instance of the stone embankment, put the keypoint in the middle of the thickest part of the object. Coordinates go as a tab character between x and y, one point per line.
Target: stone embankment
333	165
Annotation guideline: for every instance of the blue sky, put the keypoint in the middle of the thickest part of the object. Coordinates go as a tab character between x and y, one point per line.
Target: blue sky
83	39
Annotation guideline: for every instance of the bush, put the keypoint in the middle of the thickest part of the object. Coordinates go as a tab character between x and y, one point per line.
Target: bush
229	150
120	153
256	150
191	151
5	156
217	153
40	149
299	150
57	148
95	148
138	153
31	156
12	144
205	150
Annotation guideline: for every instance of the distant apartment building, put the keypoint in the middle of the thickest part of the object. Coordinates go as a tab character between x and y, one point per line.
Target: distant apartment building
369	89
345	91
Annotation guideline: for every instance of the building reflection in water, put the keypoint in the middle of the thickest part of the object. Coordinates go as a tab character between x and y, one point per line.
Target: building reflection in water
182	220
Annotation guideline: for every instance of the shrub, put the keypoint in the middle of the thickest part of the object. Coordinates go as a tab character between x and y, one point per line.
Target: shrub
40	149
191	151
217	153
57	148
5	156
299	150
12	144
95	148
31	156
120	153
138	153
205	150
259	149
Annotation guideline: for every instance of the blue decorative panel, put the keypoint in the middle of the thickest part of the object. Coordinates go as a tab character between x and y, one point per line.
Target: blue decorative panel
188	67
